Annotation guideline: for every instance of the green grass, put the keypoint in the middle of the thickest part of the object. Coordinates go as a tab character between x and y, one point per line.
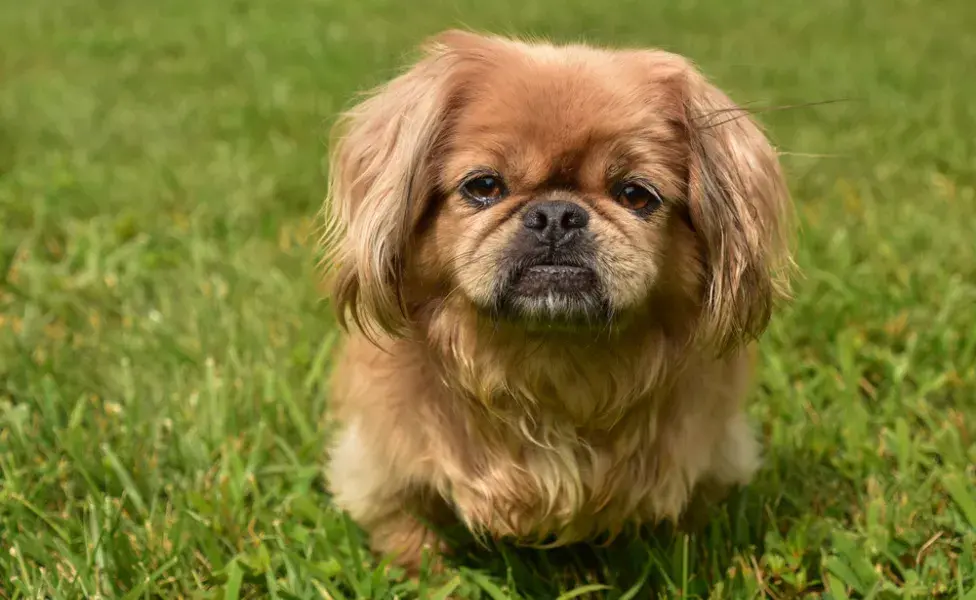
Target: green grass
163	349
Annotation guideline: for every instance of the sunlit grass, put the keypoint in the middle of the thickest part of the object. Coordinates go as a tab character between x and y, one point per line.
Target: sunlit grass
163	349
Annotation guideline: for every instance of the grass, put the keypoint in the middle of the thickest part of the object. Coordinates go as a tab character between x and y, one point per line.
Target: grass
163	349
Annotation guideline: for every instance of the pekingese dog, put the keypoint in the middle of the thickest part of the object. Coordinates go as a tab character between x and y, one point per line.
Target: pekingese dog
552	261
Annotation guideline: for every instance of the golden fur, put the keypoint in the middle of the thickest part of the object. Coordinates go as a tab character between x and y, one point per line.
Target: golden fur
528	427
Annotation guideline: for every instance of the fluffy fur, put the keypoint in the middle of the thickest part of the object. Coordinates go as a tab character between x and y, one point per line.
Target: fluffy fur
553	417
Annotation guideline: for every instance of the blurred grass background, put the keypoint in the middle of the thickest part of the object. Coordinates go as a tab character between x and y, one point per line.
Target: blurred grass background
163	349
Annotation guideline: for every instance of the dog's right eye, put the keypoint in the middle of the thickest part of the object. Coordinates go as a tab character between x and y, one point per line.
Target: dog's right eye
484	189
638	196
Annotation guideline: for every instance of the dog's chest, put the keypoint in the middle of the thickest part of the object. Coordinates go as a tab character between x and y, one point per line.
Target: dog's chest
562	487
572	452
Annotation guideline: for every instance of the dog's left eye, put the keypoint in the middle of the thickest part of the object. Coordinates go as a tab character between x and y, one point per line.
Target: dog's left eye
484	189
638	196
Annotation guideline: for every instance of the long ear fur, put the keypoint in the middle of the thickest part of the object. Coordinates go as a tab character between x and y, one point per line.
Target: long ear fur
740	207
380	178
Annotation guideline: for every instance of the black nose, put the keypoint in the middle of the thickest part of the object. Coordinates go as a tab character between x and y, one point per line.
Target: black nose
555	220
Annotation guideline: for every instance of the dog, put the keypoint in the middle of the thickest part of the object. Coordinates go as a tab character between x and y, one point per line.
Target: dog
553	263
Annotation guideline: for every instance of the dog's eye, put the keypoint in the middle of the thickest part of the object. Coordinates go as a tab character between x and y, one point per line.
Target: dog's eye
638	196
484	189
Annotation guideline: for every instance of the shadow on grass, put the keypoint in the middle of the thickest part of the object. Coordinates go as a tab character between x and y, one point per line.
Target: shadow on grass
660	559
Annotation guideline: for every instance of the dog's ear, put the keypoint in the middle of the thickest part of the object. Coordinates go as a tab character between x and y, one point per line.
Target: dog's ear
740	208
381	177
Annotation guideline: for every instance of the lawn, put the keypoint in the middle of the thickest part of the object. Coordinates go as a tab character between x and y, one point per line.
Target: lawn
164	348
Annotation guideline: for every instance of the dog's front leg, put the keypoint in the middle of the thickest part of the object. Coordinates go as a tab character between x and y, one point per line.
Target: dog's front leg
395	510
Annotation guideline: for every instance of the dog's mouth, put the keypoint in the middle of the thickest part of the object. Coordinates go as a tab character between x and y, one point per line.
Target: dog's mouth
548	280
552	292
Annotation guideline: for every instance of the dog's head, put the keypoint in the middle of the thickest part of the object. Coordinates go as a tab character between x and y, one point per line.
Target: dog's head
555	186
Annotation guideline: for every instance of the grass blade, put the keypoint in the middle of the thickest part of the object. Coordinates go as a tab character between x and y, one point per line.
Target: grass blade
586	589
964	497
128	484
235	575
447	589
486	585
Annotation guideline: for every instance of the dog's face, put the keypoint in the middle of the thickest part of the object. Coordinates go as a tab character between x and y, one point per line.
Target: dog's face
555	186
560	189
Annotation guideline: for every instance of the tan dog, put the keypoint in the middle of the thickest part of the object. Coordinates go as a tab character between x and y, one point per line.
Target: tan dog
555	259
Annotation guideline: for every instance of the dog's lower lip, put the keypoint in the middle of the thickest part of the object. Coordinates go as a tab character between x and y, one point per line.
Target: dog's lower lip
544	280
556	269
